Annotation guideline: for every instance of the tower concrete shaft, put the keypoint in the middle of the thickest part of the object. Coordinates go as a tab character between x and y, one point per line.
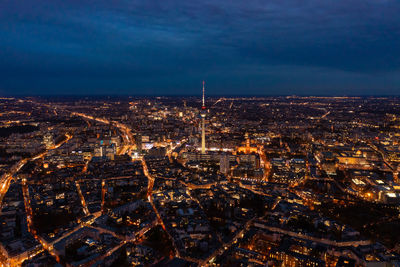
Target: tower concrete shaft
203	135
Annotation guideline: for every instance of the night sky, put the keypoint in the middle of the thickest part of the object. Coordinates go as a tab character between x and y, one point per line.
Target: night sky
167	47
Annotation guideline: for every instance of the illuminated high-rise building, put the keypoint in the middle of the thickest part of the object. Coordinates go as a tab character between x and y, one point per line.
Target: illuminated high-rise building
48	140
224	164
139	141
203	129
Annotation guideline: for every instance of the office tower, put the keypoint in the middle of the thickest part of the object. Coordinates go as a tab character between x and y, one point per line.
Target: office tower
224	164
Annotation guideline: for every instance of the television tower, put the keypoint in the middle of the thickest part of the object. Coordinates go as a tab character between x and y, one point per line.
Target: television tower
203	129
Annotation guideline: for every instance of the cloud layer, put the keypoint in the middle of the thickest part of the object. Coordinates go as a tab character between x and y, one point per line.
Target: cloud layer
168	47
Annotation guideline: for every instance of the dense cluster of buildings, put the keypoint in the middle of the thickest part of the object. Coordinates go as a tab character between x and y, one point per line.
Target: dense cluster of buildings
169	181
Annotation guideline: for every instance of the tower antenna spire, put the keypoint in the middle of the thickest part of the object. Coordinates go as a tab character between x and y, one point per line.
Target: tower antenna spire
204	104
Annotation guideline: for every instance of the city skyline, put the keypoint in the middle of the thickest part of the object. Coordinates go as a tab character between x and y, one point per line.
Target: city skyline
214	133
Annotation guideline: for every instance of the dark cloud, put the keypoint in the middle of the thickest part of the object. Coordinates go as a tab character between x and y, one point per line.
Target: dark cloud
168	47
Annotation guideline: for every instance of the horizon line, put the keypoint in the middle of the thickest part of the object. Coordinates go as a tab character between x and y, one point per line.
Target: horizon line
209	96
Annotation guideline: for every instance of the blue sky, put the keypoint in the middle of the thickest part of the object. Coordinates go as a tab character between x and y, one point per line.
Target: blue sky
274	47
